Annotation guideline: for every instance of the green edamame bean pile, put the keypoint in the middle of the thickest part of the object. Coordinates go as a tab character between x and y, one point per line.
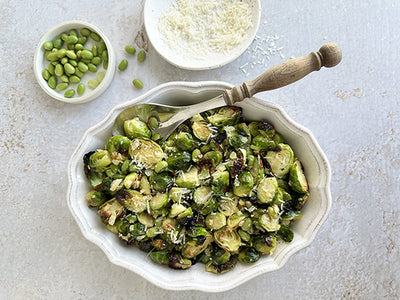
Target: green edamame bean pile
69	60
216	191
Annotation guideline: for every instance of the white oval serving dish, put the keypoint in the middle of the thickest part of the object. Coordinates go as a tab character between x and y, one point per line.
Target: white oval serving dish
301	140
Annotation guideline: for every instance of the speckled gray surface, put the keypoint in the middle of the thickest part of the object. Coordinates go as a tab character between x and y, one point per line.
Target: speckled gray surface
352	110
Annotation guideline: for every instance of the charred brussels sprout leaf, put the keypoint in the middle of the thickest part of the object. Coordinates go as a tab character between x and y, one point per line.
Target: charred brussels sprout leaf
285	233
179	161
100	159
248	255
119	144
184	141
220	269
161	181
95	198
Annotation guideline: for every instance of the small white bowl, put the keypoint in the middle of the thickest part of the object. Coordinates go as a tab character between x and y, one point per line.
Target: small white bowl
153	9
299	138
41	63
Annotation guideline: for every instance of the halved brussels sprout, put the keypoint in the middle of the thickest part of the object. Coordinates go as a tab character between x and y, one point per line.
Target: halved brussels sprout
291	215
215	221
135	128
189	179
111	210
145	152
297	180
299	201
161	181
260	143
176	209
145	219
247	226
209	206
179	160
119	144
280	161
248	255
244	236
220	269
228	205
131	200
220	182
227	115
267	189
158	201
132	181
285	233
160	257
227	239
197	231
263	128
144	185
236	138
214	156
220	256
100	159
235	220
95	198
202	195
202	130
196	246
270	220
184	141
176	261
265	244
178	194
243	184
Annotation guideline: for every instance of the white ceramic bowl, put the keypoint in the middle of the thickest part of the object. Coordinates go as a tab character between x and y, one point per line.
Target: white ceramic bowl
41	63
182	93
153	9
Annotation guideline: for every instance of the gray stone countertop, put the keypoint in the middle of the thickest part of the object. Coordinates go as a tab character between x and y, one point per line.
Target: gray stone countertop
352	109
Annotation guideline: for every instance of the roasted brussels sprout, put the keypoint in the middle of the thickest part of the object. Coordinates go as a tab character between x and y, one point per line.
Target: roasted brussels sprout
243	184
135	128
161	181
248	255
227	239
145	152
235	187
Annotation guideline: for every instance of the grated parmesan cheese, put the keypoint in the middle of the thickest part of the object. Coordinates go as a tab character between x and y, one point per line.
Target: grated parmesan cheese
201	27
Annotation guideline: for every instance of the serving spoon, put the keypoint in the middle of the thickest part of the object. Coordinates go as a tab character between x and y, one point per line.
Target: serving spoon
170	117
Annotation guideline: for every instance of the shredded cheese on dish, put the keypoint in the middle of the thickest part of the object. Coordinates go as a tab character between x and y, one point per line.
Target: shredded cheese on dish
201	27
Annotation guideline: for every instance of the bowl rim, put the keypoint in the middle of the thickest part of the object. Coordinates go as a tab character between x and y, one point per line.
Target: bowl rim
109	73
117	259
210	66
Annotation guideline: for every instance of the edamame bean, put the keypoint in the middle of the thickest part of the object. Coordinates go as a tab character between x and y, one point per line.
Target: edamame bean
52	56
153	123
73	32
61	86
64	78
64	60
71	39
78	53
141	56
52	82
63	36
96	60
105	65
123	64
94	50
93	83
51	68
129	49
81	89
46	74
104	55
82	67
156	137
70	46
92	67
101	48
71	54
48	45
87	54
100	76
69	93
73	62
74	79
78	46
86	61
137	83
78	73
82	40
57	43
59	70
61	53
95	36
69	69
85	32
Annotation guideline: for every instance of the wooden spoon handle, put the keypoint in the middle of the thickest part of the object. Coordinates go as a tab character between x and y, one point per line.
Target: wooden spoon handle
329	55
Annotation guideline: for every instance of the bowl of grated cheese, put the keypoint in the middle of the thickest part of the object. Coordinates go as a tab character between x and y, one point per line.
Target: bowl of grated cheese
201	35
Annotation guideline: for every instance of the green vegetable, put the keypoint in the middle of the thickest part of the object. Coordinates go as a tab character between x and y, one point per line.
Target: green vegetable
52	82
61	86
129	49
137	83
95	36
216	191
74	79
141	56
81	89
92	67
123	65
70	93
85	32
87	54
46	74
93	83
48	45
